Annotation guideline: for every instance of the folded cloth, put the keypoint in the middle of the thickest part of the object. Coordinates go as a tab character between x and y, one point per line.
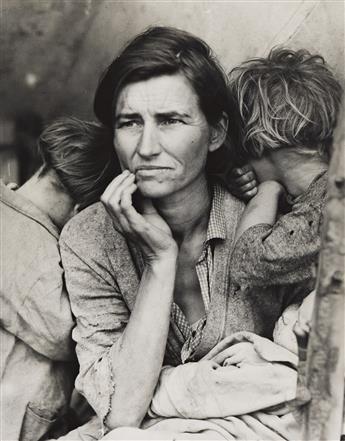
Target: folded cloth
254	427
209	401
208	390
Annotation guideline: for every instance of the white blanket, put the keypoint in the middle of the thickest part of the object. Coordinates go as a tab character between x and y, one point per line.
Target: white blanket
205	400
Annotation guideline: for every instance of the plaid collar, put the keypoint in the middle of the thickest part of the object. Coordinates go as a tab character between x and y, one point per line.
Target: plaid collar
216	226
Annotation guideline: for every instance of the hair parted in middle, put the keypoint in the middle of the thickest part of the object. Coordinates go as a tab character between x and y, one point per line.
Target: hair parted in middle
81	154
159	51
164	50
288	99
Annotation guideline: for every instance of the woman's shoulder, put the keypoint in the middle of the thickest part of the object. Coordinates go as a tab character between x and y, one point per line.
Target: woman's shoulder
92	226
230	203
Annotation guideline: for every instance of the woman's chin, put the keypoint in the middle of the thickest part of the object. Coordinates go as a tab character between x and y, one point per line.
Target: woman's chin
153	190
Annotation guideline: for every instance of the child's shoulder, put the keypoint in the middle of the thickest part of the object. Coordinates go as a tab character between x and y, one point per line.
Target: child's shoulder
318	187
314	195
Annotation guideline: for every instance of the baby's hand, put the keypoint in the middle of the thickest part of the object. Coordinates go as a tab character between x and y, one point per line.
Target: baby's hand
305	311
242	183
303	325
240	353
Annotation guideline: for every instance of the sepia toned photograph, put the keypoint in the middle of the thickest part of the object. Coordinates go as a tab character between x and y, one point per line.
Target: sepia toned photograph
172	220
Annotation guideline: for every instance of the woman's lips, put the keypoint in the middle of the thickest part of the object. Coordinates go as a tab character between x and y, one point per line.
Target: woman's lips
150	167
149	170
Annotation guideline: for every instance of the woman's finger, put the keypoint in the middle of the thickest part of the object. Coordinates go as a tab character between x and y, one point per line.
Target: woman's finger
114	193
126	195
136	222
112	201
147	228
138	225
114	184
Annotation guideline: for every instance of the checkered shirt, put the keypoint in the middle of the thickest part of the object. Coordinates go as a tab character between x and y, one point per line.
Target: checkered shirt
189	335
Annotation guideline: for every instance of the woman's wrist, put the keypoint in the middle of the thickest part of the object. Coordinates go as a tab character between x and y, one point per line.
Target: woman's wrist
166	258
163	271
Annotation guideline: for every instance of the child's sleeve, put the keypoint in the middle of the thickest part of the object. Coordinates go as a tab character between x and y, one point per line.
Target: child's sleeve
285	253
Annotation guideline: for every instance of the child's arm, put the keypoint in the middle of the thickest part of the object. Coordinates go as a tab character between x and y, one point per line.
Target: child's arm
285	252
262	208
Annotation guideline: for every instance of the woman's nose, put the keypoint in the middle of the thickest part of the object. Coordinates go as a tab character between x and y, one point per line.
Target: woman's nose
149	144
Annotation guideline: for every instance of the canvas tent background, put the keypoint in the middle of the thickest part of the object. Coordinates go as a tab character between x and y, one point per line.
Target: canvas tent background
53	51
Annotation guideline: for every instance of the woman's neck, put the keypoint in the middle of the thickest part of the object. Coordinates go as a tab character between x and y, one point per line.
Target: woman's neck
187	212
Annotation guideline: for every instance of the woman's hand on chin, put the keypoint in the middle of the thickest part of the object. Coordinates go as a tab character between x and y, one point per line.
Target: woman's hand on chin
147	229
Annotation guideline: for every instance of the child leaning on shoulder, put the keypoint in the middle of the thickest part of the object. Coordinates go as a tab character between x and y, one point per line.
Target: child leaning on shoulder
286	107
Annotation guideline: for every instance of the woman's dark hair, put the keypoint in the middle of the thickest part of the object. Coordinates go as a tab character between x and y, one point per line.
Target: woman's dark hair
81	154
162	51
166	51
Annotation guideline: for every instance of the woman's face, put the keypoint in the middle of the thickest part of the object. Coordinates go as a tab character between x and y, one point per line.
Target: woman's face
161	135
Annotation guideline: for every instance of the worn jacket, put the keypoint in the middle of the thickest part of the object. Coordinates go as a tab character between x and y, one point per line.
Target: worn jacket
288	251
37	355
103	271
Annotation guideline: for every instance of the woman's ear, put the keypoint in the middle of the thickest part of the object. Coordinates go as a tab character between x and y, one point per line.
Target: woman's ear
218	133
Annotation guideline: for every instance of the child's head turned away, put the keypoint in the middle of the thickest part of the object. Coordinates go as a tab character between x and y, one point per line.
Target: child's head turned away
290	100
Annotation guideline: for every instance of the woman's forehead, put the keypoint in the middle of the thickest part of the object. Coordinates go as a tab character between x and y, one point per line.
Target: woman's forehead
166	93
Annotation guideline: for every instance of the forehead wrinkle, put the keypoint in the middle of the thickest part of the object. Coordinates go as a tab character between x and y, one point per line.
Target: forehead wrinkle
171	100
142	96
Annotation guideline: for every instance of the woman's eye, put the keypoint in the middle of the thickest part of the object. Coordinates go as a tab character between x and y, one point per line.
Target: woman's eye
171	121
127	124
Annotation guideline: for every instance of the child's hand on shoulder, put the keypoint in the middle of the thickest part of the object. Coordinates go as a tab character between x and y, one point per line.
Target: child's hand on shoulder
242	182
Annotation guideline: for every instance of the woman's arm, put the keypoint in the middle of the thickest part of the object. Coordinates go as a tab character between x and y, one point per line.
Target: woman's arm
139	356
142	346
126	350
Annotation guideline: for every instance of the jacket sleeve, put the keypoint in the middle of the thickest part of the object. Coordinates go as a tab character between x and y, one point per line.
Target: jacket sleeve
41	316
101	317
285	253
